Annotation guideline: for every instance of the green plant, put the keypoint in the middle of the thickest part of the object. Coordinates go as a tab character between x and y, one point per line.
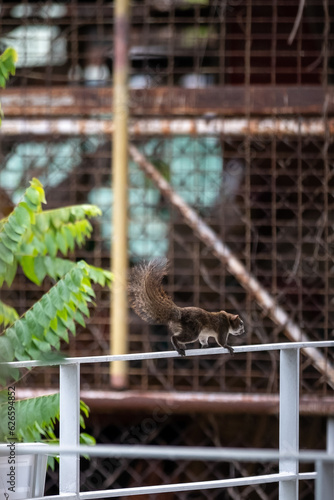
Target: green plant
39	242
7	67
32	238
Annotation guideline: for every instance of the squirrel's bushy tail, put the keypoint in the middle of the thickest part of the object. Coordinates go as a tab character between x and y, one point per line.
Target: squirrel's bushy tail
147	297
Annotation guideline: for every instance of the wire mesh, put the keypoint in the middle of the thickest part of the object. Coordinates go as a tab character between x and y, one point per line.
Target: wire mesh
268	197
173	42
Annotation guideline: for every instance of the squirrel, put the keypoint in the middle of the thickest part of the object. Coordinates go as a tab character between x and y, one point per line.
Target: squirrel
186	324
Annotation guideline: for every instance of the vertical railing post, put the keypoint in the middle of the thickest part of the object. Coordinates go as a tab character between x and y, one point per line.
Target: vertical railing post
330	449
324	488
289	421
69	429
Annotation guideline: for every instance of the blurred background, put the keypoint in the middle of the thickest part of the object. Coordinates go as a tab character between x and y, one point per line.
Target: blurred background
232	101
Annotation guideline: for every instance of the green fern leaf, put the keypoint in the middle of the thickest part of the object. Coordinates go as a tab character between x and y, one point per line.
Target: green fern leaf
27	264
33	238
35	420
6	349
13	335
43	411
23	333
58	217
58	231
87	439
36	268
15	228
7	314
10	231
6	255
50	243
9	243
6	354
7	65
42	327
48	306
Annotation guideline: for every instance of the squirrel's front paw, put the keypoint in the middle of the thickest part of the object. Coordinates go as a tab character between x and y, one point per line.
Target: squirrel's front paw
230	349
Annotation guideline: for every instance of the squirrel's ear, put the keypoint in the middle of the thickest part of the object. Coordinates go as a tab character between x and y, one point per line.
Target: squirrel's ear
234	317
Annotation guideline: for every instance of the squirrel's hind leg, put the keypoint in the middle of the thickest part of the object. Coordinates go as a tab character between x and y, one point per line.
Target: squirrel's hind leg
182	335
176	331
178	346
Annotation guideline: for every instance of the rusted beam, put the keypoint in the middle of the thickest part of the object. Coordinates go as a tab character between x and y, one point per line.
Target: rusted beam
170	101
165	403
235	127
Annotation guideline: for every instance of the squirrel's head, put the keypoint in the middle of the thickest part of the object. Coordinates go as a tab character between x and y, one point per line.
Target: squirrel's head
236	324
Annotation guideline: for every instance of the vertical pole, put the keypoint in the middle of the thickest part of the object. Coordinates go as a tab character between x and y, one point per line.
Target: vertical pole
119	306
324	486
69	430
289	421
330	437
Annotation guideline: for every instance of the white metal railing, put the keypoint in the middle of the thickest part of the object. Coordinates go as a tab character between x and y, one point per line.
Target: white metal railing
288	455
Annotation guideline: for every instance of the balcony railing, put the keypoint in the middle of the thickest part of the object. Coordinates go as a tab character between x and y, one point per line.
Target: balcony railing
288	456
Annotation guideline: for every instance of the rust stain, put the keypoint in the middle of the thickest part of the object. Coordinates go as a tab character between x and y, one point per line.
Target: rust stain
165	128
225	101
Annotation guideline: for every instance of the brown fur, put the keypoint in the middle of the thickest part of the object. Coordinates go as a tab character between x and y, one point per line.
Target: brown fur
187	324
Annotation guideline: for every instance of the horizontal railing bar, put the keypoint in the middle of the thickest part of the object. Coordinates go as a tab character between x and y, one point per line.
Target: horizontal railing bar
68	496
193	486
154	452
303	476
190	486
245	481
172	354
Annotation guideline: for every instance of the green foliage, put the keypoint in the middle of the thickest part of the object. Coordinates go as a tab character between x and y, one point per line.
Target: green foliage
50	319
7	314
7	67
36	418
33	417
32	239
59	230
15	228
7	354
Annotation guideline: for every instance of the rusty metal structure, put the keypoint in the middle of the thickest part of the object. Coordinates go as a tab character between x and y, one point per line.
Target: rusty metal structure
232	104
